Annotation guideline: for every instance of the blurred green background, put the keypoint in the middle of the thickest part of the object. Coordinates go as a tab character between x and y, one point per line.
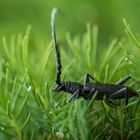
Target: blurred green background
16	15
28	109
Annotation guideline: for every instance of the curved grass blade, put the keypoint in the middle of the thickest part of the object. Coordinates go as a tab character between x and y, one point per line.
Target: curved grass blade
26	122
131	34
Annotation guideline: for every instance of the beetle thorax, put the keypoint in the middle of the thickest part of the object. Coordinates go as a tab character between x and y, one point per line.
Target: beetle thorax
72	87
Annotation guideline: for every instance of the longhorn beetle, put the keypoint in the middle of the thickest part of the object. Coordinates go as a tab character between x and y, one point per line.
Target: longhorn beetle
87	89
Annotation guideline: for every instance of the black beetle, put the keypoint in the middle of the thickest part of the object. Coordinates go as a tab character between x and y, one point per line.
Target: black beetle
87	89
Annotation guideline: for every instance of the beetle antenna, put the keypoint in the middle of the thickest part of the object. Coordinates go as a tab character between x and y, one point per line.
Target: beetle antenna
57	54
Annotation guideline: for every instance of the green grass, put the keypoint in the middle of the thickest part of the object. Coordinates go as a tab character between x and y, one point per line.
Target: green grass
29	109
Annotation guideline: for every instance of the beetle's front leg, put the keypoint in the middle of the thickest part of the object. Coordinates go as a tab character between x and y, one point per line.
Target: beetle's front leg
123	80
73	96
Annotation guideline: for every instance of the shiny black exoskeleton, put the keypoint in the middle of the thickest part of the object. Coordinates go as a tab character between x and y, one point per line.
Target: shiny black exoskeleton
87	89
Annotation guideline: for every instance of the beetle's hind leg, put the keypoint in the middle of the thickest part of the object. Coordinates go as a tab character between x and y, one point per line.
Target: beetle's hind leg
110	103
120	93
123	80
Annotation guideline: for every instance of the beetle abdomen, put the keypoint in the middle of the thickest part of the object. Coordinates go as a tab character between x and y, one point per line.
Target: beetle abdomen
108	89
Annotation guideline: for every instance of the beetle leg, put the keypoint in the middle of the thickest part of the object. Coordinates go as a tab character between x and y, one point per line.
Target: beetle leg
73	96
93	90
126	102
86	80
89	95
119	93
110	103
123	80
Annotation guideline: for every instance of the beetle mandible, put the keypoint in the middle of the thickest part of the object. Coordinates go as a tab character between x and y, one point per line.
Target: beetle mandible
87	89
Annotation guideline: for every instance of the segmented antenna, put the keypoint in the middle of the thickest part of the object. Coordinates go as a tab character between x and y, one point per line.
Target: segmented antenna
57	55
